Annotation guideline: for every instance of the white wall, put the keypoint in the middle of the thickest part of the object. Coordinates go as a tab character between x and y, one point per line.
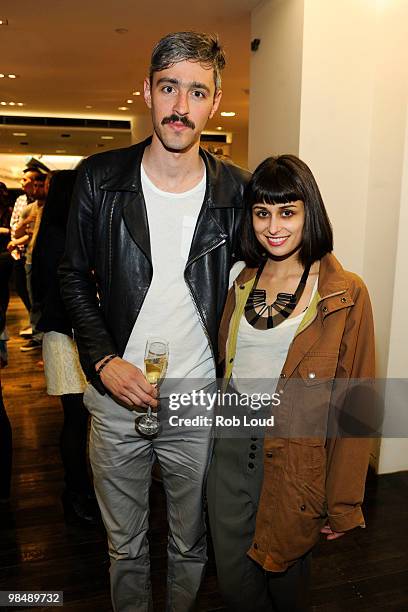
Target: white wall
351	100
276	70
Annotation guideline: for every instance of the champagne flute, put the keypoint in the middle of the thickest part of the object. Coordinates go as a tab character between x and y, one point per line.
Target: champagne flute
155	362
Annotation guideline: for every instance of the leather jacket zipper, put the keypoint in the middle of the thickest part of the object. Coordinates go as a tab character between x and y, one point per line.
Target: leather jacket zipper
195	301
110	244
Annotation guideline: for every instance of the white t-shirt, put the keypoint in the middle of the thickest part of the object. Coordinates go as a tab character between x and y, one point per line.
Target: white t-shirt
261	354
168	310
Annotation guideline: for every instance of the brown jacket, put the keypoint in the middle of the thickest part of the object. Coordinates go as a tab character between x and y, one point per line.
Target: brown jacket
309	478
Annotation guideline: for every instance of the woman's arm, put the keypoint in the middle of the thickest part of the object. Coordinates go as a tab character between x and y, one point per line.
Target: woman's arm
347	456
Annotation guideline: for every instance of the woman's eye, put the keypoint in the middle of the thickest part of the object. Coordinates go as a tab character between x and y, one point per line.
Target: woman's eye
262	214
287	213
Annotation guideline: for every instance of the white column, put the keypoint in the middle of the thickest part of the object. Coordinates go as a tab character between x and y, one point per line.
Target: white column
330	83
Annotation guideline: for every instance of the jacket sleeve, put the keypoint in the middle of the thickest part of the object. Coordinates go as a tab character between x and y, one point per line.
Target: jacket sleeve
78	284
347	455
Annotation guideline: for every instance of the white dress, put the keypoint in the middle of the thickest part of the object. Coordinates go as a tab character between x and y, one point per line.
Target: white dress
63	372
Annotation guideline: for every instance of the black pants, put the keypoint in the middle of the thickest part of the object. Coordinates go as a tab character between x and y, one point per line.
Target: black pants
6	268
73	444
233	490
6	450
20	281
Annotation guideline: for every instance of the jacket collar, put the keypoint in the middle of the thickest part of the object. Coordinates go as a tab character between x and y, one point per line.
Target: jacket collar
333	294
126	177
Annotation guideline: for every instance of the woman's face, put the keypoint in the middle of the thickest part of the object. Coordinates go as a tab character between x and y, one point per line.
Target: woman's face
279	227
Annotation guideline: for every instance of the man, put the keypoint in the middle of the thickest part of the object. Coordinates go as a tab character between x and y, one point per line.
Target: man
149	245
27	229
17	246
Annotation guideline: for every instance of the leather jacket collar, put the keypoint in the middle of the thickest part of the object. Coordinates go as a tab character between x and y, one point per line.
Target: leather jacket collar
127	178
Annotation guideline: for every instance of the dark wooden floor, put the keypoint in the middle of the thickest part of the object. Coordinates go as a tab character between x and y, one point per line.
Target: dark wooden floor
366	570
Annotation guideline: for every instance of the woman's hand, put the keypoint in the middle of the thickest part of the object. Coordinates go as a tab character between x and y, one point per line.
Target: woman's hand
330	534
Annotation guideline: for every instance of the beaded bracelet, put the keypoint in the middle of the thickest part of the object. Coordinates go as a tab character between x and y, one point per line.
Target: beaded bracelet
105	362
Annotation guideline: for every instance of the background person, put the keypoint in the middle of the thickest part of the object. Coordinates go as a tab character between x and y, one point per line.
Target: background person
63	372
6	261
28	228
17	246
296	316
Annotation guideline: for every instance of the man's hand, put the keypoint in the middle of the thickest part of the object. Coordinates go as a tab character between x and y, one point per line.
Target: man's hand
330	534
128	384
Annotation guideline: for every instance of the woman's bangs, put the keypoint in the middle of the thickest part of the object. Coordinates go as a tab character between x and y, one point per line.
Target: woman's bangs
275	186
276	194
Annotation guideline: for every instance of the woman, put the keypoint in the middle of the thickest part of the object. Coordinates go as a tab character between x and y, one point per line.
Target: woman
293	315
63	372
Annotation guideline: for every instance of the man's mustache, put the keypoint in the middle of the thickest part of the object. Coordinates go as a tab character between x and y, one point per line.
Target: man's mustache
176	118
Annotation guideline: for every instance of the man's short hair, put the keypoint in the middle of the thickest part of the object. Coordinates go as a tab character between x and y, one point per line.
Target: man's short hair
191	46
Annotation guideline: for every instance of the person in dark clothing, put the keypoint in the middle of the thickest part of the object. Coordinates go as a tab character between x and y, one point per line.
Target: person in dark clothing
61	364
6	260
6	439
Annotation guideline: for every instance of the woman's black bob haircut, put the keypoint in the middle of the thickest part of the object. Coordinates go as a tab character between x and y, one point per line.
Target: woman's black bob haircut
279	180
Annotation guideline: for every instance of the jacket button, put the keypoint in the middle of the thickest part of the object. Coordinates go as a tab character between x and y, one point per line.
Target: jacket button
255	546
283	375
231	360
242	286
269	455
344	300
253	446
254	439
303	507
312	375
280	391
325	309
251	465
252	455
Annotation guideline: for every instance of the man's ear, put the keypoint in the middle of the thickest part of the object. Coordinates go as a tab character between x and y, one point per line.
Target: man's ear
147	93
216	103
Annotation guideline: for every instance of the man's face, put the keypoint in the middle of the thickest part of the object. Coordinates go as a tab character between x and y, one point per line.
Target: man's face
38	190
182	98
27	182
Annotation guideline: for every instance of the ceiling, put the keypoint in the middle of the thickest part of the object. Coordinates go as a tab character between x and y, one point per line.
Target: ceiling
68	55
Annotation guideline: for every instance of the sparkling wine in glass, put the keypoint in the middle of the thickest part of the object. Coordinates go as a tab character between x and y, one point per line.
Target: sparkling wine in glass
155	362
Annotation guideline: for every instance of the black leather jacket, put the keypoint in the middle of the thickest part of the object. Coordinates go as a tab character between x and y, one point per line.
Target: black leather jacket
106	270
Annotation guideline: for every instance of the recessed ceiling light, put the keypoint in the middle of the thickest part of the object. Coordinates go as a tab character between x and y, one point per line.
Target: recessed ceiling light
107	137
228	114
20	104
219	127
2	75
129	101
19	134
12	103
12	76
3	103
136	93
3	21
60	150
88	106
123	108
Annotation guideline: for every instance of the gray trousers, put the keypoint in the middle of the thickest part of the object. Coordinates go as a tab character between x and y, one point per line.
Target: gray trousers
121	462
234	485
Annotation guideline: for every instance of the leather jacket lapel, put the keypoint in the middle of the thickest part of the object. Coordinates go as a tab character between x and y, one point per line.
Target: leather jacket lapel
135	217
